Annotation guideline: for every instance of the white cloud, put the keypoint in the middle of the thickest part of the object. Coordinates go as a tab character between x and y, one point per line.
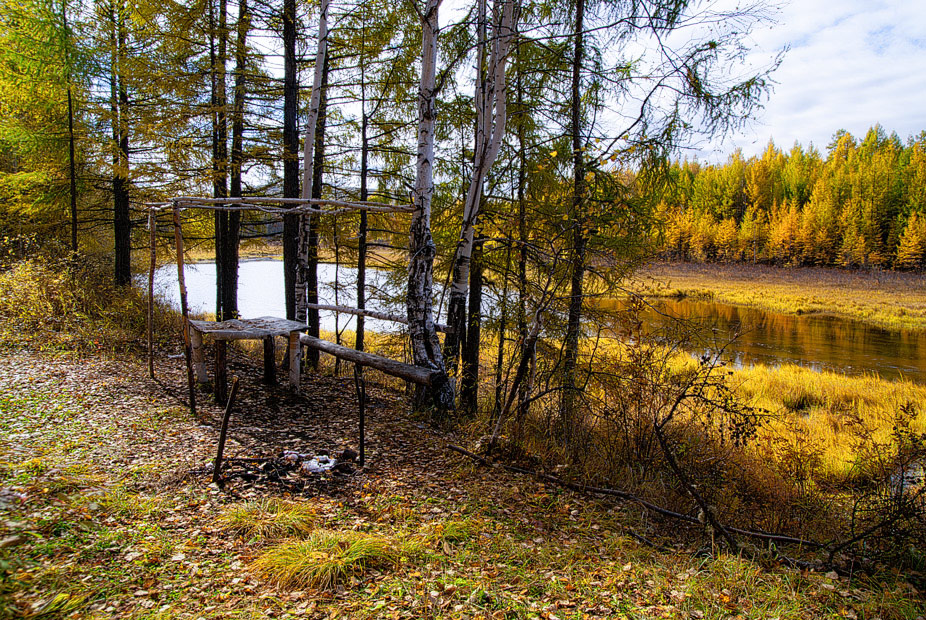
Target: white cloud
851	64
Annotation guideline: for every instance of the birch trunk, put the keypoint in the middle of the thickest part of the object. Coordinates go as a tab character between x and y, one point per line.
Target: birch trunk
425	345
491	92
308	170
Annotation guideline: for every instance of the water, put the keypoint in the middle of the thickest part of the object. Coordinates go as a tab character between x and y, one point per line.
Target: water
819	342
815	341
260	291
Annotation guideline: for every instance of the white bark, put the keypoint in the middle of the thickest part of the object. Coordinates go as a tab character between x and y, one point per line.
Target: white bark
491	92
309	159
424	342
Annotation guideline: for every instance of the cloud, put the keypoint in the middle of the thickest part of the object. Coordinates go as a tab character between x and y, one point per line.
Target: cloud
851	64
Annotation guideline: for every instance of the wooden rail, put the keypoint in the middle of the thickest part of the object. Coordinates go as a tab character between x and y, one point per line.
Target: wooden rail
408	372
382	316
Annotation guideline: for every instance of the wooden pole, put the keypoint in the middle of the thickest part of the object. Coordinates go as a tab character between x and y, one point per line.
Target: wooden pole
152	231
216	475
187	343
360	384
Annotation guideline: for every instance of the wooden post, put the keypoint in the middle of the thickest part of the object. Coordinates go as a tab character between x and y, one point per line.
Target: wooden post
361	386
270	371
216	476
295	360
187	345
152	238
199	359
221	372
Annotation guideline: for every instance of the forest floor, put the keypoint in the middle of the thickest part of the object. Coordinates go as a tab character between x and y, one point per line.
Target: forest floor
106	511
890	299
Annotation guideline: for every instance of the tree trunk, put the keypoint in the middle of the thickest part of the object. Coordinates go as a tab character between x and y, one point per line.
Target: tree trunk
290	154
491	93
469	379
318	169
308	242
425	345
237	157
220	162
362	232
72	165
573	326
119	103
523	238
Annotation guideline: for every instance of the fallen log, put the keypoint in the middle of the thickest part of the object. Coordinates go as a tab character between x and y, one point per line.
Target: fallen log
584	488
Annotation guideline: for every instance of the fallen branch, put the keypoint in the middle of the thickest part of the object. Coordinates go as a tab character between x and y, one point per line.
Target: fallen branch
624	495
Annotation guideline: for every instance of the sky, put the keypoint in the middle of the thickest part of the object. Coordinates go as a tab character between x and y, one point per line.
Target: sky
850	64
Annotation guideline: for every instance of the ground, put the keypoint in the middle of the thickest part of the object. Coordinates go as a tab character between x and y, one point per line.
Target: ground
107	510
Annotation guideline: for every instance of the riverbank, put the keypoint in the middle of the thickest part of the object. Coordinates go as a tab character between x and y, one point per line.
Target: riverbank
887	299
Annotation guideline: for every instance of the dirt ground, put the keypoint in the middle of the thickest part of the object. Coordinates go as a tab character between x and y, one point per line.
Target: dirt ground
107	510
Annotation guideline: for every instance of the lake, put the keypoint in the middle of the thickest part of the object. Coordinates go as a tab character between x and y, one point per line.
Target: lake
814	341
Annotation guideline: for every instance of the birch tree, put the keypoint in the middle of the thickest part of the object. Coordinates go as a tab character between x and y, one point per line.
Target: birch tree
491	116
306	232
425	345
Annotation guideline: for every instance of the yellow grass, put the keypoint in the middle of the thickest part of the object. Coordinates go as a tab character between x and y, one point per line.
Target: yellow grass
834	412
888	299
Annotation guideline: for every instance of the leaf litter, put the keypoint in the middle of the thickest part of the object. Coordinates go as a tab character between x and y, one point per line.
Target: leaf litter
107	510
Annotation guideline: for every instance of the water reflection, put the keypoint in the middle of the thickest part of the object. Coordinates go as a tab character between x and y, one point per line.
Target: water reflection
815	341
260	291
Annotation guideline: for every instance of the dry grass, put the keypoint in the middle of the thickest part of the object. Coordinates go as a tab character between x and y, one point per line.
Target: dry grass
268	519
832	412
329	557
885	298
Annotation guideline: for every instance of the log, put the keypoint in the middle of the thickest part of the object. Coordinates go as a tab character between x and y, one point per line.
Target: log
415	374
382	316
221	374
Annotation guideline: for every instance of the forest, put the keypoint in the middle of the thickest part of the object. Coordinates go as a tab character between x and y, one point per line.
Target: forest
509	166
860	206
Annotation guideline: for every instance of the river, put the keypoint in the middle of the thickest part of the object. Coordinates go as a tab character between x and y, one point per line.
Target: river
814	341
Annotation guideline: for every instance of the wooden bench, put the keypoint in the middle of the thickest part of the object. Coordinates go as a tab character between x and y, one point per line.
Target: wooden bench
265	328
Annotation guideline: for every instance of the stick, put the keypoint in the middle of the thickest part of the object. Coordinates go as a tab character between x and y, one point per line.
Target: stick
216	475
187	343
361	386
152	228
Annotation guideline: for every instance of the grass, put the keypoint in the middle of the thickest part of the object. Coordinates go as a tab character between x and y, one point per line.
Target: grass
884	298
268	519
832	411
329	557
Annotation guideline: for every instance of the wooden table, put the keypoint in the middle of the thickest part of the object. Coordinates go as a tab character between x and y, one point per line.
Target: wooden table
265	328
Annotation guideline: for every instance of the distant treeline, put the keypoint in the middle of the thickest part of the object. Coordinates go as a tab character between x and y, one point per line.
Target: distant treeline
863	205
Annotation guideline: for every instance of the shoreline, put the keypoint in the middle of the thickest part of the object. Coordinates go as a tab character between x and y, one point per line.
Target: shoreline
890	300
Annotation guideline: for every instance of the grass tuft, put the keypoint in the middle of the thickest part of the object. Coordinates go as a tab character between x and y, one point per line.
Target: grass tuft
329	557
269	518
